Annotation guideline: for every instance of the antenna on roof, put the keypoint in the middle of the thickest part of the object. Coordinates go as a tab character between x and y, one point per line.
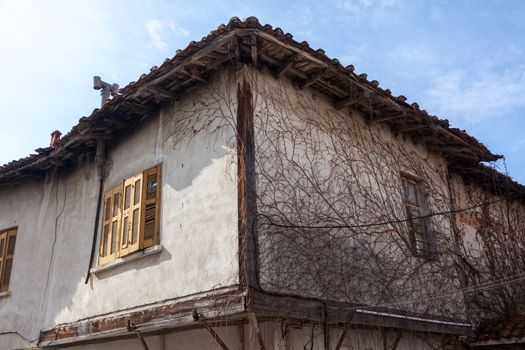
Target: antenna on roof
106	89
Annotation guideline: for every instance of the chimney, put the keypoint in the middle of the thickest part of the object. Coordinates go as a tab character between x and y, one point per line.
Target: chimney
55	136
106	89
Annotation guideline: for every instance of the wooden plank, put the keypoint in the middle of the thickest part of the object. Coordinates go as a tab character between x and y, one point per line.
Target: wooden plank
255	325
233	49
312	79
170	95
290	61
410	127
343	336
214	335
253	49
192	73
387	117
347	102
142	340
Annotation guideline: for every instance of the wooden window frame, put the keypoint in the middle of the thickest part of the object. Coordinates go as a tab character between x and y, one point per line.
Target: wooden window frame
134	199
420	238
6	237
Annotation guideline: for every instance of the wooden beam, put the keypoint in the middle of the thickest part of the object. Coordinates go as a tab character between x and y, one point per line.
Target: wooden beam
253	49
396	340
347	102
233	49
387	117
163	92
332	88
142	340
214	334
194	75
137	106
411	127
57	162
326	333
312	79
118	122
343	336
219	43
290	61
255	325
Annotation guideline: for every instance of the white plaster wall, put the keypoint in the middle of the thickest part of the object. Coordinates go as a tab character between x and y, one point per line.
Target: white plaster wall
198	229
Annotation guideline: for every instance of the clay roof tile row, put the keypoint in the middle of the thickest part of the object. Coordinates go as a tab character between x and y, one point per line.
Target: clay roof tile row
235	23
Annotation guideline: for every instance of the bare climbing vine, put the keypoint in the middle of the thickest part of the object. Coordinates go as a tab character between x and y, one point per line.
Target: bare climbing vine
323	176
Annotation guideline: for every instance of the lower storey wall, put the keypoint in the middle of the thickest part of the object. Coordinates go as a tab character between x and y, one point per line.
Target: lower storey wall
279	335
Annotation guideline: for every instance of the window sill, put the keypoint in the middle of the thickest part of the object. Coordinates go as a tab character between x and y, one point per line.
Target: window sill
134	256
4	294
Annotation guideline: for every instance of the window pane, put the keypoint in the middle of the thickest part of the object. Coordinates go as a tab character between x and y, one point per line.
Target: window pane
105	240
116	204
136	197
108	209
135	226
151	187
411	193
7	274
127	197
125	227
114	236
11	245
2	240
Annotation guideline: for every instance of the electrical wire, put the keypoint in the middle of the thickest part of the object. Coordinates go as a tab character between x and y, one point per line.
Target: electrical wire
383	223
489	285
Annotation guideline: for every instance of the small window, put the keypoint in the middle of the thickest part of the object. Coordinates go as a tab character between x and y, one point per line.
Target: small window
7	252
131	216
419	236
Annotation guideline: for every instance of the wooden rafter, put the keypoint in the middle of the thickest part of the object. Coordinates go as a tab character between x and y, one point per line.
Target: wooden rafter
312	79
347	101
166	94
253	49
255	325
290	61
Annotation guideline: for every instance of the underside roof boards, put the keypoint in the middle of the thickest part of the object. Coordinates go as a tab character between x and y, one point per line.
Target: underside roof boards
251	42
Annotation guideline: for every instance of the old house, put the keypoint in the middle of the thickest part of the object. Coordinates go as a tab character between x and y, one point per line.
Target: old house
252	193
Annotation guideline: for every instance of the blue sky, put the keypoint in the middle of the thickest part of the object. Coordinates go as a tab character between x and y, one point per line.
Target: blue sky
461	60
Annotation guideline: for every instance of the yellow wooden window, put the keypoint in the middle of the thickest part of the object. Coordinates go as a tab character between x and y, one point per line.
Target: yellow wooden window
7	252
151	207
131	216
112	214
130	237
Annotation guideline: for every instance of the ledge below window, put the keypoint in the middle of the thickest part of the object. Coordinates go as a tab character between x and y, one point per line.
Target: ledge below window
134	256
4	294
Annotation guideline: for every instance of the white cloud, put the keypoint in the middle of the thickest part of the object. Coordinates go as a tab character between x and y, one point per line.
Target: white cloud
159	31
475	96
370	11
155	29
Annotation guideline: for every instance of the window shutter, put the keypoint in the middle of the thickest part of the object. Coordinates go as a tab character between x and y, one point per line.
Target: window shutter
8	242
3	239
132	215
126	217
151	207
109	239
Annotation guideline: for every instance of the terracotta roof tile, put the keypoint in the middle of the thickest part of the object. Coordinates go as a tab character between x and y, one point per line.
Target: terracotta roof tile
459	138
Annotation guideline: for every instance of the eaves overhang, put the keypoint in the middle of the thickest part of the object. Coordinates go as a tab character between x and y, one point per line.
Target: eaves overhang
250	42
